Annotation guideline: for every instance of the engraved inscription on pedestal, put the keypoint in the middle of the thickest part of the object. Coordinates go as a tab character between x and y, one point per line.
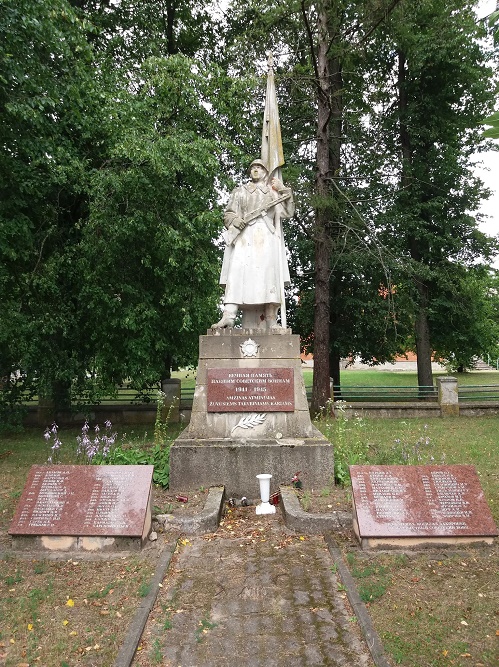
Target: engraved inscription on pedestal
84	500
250	390
414	501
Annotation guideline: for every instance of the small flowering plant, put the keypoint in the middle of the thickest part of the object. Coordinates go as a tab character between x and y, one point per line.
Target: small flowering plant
53	443
97	446
91	448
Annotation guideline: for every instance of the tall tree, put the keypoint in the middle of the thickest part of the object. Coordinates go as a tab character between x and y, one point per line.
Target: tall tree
444	89
47	103
147	249
107	133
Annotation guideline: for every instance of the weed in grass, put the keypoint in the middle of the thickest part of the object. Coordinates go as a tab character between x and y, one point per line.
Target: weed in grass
96	595
40	567
204	627
369	571
14	579
401	560
306	500
156	653
144	589
167	609
350	558
350	444
395	646
166	509
368	592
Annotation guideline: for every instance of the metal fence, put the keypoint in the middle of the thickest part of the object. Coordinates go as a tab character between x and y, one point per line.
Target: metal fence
478	392
382	394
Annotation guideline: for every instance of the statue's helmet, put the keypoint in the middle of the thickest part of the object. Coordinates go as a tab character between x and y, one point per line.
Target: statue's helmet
260	162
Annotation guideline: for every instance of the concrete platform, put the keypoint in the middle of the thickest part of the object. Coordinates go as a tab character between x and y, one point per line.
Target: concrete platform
230	447
236	463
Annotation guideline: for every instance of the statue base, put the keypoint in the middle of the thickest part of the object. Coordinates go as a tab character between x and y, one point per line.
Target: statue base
262	423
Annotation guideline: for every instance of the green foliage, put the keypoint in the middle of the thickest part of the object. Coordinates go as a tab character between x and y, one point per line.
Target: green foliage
493	120
465	316
121	127
11	414
109	149
350	445
427	141
155	203
355	443
48	99
203	628
144	589
372	591
158	456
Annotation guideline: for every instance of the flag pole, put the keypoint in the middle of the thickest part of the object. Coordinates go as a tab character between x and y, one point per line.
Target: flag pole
272	155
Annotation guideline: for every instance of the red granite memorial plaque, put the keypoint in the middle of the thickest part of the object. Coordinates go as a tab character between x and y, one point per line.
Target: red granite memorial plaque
419	502
250	390
84	501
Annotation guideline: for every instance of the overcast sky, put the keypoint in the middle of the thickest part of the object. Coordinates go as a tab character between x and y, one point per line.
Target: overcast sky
490	159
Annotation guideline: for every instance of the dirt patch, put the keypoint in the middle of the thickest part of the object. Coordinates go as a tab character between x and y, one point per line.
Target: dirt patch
69	612
434	608
330	499
166	502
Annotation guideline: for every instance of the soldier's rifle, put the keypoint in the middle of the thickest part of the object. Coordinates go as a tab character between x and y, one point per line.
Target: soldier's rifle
260	211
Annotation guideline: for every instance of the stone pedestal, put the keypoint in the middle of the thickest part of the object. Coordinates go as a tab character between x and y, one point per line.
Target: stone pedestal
249	416
448	397
171	405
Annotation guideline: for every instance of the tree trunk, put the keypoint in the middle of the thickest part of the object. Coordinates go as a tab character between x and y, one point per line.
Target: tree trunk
169	21
423	343
335	142
167	368
422	328
320	389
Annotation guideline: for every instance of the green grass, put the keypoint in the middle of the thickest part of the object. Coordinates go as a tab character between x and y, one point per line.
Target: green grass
417	602
459	440
396	378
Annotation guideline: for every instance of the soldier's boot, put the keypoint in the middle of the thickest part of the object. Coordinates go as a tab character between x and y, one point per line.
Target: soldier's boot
271	316
228	317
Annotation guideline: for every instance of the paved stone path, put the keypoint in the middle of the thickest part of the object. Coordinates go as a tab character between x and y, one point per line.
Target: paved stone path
252	595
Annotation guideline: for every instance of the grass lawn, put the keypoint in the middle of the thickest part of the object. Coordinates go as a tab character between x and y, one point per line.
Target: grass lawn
397	378
431	608
439	607
373	378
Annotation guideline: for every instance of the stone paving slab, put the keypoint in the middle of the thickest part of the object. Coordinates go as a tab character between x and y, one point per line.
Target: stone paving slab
261	596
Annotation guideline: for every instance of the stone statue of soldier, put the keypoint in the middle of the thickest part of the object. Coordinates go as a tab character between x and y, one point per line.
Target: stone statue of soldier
255	268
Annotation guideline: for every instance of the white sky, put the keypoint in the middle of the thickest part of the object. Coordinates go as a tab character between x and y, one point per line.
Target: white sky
490	172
